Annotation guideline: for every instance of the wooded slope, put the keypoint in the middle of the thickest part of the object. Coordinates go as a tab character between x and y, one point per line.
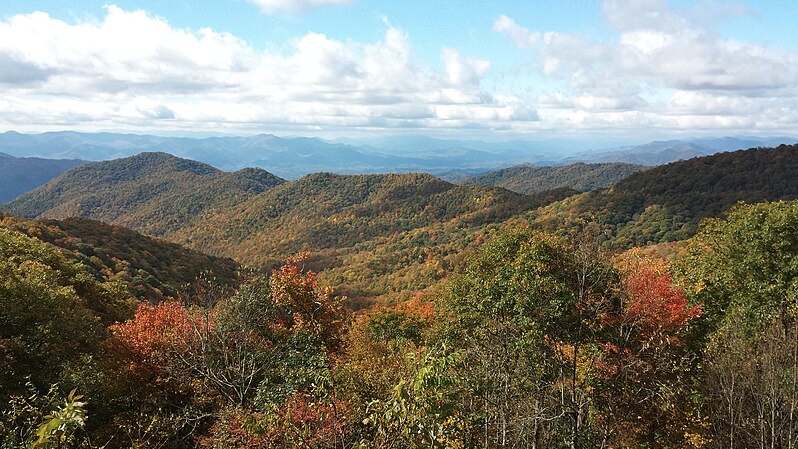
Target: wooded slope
528	179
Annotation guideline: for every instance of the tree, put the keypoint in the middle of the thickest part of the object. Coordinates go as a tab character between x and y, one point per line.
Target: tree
51	314
646	366
59	428
522	313
744	270
254	349
421	411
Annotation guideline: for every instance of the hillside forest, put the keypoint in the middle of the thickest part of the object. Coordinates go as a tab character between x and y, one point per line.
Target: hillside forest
156	302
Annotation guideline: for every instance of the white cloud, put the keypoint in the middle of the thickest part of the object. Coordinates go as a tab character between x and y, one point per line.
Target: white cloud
127	51
711	81
518	34
295	6
462	72
660	69
647	42
130	69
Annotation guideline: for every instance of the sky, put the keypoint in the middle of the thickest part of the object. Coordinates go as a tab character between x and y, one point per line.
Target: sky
612	70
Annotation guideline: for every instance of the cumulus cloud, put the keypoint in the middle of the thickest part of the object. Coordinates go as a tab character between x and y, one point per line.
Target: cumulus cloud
663	67
295	6
14	71
136	70
659	69
463	71
126	51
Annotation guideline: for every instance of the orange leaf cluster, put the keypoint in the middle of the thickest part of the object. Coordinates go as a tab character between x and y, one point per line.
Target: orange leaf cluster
155	331
303	304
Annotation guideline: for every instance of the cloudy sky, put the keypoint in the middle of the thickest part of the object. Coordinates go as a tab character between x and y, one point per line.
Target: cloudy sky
494	70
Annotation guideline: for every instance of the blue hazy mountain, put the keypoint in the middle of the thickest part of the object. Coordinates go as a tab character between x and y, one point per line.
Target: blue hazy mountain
663	152
21	174
290	158
294	157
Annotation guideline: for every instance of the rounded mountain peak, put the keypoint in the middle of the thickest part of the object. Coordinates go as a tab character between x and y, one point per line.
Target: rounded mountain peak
165	161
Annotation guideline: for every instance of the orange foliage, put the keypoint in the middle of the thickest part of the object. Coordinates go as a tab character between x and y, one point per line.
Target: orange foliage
417	308
304	305
156	331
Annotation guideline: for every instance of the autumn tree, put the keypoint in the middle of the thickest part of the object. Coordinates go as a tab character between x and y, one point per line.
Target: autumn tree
646	367
253	349
744	270
51	313
385	355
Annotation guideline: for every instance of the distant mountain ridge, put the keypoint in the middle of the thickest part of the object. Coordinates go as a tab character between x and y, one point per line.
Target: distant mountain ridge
290	158
528	179
294	157
22	174
663	152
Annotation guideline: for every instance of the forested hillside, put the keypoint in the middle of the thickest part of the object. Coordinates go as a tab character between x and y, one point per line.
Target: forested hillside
528	179
324	211
194	203
384	237
22	174
152	269
381	236
152	192
535	341
666	203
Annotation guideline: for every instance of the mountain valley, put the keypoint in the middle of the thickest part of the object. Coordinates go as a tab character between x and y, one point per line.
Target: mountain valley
197	304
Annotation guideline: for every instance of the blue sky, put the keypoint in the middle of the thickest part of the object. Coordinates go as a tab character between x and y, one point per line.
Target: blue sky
612	70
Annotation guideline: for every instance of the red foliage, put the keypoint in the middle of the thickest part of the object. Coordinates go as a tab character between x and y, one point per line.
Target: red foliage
656	307
231	431
642	370
307	423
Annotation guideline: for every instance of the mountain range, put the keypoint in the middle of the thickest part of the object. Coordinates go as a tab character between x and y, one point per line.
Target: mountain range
290	158
260	219
663	152
387	236
667	202
150	192
294	157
